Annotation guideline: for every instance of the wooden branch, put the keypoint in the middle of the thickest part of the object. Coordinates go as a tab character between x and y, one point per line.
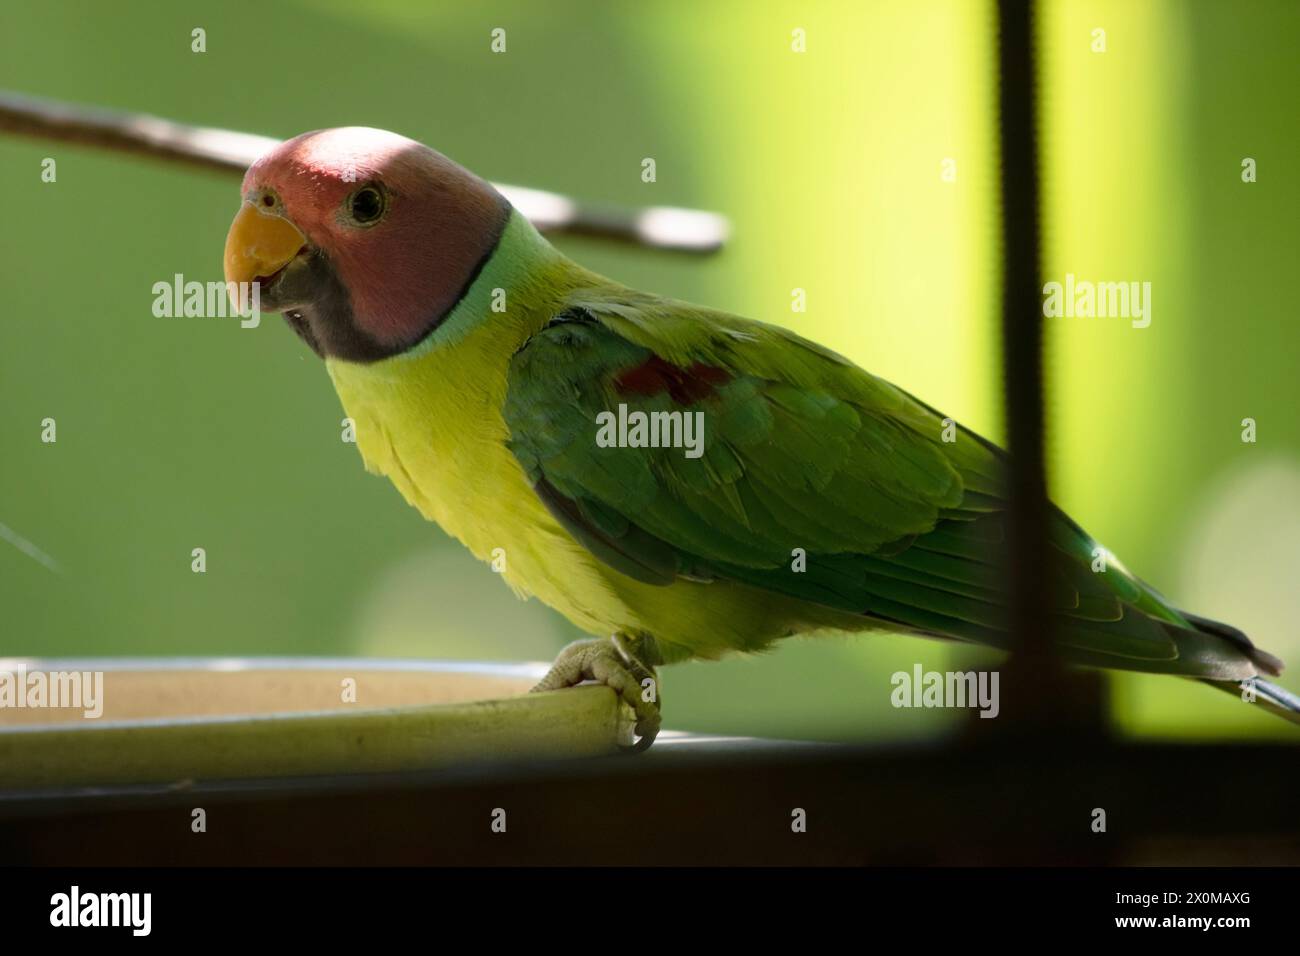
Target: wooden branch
656	227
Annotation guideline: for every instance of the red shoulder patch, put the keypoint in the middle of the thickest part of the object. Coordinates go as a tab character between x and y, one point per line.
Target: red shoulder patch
686	386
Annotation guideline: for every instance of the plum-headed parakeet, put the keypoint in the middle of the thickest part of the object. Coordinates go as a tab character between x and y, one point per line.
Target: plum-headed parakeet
679	480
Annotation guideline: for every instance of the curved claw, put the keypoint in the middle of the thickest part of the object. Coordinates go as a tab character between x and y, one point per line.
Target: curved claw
611	663
648	713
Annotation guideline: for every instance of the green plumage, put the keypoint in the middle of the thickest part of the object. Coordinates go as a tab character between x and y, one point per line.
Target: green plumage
803	450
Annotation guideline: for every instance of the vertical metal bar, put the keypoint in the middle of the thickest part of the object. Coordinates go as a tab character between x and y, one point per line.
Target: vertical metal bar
1022	328
1038	689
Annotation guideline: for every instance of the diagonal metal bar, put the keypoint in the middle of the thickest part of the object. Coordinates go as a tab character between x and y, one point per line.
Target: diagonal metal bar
223	150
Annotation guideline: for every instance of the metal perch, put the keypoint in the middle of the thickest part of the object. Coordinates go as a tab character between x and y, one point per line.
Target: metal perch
657	227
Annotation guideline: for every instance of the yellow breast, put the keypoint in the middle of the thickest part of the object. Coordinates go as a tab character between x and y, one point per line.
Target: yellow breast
433	425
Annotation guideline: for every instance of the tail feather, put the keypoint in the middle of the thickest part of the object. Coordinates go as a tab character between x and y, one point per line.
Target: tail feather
1270	696
1265	661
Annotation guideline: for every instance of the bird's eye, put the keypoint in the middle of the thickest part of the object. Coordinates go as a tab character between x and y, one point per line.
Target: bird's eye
366	205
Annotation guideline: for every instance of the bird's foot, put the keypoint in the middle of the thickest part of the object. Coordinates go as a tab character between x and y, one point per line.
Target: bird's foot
614	662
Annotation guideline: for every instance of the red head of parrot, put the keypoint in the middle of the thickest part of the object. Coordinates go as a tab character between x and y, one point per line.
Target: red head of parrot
364	239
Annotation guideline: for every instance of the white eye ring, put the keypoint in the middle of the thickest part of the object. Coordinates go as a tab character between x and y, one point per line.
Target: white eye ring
265	199
366	206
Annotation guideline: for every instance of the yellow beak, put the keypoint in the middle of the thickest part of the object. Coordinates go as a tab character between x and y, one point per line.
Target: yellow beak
260	244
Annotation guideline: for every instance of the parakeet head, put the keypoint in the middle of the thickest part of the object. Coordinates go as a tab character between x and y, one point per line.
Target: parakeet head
364	239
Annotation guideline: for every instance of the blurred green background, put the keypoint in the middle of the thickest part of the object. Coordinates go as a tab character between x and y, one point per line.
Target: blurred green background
182	433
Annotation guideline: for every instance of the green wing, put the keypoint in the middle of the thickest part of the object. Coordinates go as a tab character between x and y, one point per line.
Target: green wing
803	450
